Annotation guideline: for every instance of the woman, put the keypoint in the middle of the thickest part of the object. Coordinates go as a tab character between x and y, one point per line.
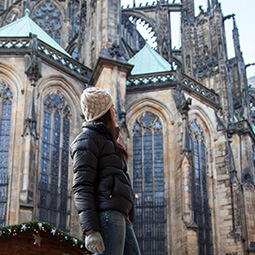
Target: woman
101	185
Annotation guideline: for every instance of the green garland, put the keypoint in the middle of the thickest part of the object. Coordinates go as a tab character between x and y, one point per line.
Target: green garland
36	226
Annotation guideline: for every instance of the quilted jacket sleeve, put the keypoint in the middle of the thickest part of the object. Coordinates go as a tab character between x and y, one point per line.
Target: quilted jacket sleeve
85	153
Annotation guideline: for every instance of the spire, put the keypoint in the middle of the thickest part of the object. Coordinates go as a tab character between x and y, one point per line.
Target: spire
27	11
234	25
188	7
208	6
214	2
236	39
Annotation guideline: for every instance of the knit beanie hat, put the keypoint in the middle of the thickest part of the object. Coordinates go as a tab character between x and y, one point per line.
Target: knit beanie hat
95	102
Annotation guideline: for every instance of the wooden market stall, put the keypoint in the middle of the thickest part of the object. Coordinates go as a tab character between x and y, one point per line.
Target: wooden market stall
38	238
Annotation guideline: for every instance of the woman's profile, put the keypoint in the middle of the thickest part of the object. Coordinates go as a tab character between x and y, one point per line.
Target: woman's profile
102	189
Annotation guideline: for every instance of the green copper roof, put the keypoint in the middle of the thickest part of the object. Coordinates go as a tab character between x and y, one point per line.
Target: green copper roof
24	26
147	60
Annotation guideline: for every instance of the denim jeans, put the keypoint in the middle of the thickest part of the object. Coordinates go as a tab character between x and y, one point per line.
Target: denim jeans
118	234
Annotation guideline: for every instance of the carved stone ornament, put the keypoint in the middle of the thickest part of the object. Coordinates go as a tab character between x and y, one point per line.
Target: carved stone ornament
115	51
33	67
246	177
182	104
33	64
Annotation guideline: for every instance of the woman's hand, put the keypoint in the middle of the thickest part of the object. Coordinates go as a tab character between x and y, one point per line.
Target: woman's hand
94	242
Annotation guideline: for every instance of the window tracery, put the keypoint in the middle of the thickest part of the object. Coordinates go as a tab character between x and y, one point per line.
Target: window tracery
49	18
148	182
76	20
202	214
53	184
12	16
5	125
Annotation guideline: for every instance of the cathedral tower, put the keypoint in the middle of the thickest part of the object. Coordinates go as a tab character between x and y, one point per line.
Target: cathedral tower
102	31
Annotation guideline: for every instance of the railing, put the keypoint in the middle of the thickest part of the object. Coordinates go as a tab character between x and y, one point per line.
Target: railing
46	52
136	81
199	89
64	60
14	43
172	79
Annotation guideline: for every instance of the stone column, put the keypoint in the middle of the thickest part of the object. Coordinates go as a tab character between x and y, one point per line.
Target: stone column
102	29
111	75
29	168
248	216
187	183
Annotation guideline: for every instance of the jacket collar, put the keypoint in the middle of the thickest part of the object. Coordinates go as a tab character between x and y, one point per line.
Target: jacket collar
97	126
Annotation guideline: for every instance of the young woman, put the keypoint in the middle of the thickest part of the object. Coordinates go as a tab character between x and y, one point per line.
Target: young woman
102	188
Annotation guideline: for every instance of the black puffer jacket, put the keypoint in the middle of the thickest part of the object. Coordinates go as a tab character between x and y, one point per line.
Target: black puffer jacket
100	179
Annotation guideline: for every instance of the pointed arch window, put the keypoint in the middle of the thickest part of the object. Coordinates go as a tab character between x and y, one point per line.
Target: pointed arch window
49	18
201	208
75	53
76	19
148	182
5	118
53	184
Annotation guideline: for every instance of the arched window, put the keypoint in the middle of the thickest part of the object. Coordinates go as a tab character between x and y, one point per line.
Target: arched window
49	18
75	54
5	125
53	184
200	196
76	19
148	182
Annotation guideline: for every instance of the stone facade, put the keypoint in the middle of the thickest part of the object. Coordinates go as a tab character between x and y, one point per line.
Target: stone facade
204	107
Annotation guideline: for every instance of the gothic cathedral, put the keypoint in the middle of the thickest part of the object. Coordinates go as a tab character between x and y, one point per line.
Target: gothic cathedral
186	115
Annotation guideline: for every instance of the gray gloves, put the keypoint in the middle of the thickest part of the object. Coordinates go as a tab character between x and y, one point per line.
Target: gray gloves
94	242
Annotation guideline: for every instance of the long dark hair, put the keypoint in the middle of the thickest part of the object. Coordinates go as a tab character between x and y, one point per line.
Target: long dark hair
114	131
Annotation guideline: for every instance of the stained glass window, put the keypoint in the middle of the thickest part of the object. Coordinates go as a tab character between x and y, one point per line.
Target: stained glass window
49	18
53	185
76	20
148	183
75	53
5	118
200	197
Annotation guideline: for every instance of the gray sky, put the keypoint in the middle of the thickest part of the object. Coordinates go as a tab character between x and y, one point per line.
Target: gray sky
244	10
